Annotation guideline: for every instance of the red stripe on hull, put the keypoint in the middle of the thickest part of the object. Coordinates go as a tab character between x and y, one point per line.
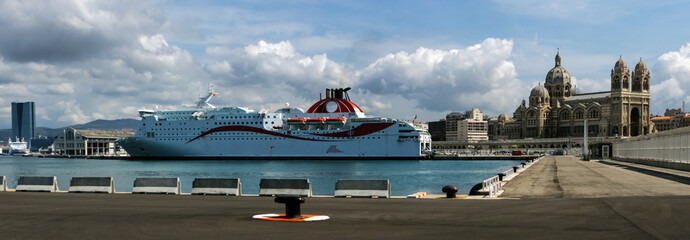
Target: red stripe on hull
361	130
252	129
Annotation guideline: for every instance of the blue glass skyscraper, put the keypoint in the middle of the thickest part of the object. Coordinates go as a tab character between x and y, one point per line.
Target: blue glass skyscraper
23	121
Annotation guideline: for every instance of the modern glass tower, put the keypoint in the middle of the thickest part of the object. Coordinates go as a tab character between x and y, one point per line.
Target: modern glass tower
23	121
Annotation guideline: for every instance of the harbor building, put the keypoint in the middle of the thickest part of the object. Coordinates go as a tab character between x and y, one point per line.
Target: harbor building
437	129
672	119
471	130
558	109
468	126
497	127
89	142
23	122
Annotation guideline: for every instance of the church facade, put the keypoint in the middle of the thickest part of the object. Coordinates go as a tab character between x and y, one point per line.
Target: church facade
559	109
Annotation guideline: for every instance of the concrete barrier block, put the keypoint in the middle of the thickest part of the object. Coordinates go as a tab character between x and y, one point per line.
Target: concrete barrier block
273	187
37	184
91	185
3	184
156	185
363	188
217	186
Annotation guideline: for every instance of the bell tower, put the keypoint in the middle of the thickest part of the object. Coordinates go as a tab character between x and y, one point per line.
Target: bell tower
640	78
620	77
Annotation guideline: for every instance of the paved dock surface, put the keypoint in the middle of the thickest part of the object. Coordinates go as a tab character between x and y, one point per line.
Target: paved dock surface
119	216
556	198
569	177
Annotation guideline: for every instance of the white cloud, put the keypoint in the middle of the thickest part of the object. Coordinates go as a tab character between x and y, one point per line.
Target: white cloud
588	85
277	64
61	88
264	76
672	71
69	30
153	43
72	113
477	76
219	68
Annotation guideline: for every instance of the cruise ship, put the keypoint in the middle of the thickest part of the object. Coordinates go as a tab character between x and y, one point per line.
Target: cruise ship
18	147
333	128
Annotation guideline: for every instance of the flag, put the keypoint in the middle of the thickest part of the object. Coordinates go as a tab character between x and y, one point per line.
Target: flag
415	118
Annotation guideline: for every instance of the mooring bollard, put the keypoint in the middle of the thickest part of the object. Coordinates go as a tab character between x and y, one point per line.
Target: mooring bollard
292	205
501	176
450	191
293	211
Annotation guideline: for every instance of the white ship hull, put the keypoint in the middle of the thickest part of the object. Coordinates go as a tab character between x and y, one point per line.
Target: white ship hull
241	133
261	145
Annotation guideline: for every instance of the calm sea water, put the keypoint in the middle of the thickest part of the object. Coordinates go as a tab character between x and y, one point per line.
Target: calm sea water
406	176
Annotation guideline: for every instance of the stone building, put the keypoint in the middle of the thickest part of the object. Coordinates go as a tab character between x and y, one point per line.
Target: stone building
89	142
437	129
464	126
672	119
559	109
471	130
497	127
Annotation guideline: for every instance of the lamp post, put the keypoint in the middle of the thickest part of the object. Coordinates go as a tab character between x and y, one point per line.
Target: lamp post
585	151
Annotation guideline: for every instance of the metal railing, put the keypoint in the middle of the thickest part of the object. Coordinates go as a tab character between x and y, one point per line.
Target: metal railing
670	146
486	184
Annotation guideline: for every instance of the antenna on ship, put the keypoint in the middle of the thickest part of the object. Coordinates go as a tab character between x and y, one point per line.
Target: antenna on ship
347	96
203	101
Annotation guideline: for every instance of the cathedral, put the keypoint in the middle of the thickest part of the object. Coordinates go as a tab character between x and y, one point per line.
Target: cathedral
559	109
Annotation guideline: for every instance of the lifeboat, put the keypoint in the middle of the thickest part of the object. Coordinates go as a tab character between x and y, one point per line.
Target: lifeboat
335	120
315	120
296	121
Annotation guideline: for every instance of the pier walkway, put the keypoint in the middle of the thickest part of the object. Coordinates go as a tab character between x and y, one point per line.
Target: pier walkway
569	177
556	198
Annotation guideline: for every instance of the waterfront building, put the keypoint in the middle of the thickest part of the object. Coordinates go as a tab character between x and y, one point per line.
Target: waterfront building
672	119
467	126
497	127
453	118
89	142
470	130
437	129
23	121
558	109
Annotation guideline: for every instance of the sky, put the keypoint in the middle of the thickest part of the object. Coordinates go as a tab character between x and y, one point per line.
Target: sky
86	60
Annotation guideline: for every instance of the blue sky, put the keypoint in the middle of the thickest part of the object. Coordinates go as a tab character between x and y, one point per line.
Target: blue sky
86	60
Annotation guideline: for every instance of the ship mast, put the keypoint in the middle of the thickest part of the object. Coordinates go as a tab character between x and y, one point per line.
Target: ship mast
204	100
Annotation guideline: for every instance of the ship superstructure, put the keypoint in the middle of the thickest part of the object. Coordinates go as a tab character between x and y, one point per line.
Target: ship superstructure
334	127
18	147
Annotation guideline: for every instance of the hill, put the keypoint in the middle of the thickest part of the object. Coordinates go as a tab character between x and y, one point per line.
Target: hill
118	124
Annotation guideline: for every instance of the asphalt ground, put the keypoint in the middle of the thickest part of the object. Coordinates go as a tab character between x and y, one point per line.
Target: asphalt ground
573	212
569	177
124	216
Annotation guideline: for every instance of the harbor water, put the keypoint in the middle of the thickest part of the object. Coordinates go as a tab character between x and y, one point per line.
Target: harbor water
406	176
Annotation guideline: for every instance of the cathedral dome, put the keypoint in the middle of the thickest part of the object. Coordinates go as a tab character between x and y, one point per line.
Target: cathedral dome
558	75
641	66
539	91
621	64
503	117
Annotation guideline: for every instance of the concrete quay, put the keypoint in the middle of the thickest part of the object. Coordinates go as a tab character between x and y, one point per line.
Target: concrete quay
569	177
556	198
